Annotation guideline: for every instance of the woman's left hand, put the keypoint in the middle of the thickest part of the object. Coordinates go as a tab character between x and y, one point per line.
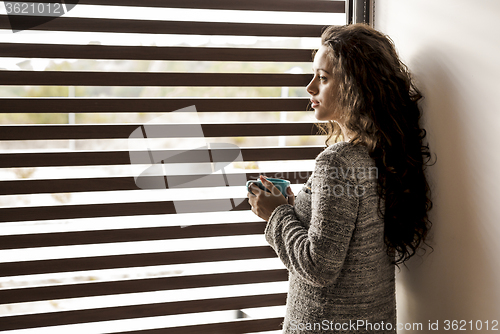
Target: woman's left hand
262	202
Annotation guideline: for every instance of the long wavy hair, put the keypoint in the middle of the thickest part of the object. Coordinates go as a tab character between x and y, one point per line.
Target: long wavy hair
377	102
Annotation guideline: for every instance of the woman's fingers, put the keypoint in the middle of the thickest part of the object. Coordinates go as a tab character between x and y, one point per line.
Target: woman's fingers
256	190
252	190
270	186
291	196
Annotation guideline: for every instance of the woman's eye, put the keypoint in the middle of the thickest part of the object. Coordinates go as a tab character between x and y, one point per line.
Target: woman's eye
322	78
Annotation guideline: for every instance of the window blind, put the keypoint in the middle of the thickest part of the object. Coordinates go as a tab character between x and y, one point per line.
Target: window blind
121	260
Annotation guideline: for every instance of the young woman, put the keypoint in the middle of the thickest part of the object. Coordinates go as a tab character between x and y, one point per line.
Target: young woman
364	209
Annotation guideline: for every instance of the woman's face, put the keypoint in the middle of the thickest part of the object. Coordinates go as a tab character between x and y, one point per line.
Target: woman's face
322	88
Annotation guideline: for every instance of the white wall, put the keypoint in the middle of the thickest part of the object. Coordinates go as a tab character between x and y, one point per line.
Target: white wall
453	49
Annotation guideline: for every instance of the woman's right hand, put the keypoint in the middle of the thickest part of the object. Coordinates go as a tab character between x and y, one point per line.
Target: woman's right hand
291	196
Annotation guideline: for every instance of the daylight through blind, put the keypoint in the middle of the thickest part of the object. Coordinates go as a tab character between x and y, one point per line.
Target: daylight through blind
193	98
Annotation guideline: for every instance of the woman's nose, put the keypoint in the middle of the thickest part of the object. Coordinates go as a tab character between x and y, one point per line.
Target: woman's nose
311	87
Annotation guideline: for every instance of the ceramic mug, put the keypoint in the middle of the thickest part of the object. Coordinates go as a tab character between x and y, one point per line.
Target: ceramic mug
281	184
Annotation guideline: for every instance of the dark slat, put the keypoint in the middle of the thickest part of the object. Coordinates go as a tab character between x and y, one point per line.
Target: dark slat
9	296
49	186
94	105
134	260
234	327
162	27
153	53
59	78
260	5
139	311
127	235
118	209
51	132
123	158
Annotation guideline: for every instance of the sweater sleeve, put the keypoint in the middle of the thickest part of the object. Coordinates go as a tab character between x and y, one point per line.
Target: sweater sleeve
317	253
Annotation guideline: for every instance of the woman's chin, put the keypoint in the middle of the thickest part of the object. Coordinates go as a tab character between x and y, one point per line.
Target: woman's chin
319	116
322	115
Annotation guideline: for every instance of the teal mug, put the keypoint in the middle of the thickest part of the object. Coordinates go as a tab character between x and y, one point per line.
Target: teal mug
281	184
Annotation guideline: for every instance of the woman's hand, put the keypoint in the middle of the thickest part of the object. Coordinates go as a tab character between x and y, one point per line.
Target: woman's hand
263	203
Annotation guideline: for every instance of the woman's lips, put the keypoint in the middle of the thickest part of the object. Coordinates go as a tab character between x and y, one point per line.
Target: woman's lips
314	103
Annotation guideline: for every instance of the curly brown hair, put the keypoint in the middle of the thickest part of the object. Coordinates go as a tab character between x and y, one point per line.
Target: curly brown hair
378	104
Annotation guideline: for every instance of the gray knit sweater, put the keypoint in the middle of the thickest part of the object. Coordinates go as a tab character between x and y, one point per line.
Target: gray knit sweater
332	243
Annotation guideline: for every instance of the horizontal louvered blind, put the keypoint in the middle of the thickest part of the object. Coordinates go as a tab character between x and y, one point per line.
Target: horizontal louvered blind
82	247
